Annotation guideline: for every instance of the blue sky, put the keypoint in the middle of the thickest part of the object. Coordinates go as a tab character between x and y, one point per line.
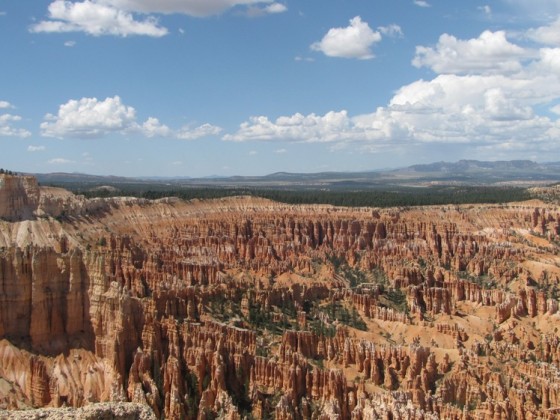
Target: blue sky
251	87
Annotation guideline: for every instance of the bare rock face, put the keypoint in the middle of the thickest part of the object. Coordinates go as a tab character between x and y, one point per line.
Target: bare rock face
45	298
19	197
236	307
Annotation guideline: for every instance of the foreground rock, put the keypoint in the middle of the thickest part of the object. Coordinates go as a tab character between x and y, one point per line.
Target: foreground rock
244	306
104	411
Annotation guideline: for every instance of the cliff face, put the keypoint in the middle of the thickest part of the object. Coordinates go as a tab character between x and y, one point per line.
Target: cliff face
237	306
19	197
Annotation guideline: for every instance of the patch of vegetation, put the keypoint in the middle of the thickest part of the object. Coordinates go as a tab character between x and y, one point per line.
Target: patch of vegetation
336	260
261	319
240	395
271	401
354	276
340	313
192	397
7	172
321	329
379	276
224	309
396	299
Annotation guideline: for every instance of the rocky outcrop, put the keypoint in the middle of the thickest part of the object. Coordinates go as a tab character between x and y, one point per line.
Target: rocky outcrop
44	299
19	197
103	411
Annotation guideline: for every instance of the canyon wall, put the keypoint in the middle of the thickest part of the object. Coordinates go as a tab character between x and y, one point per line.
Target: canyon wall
243	306
19	197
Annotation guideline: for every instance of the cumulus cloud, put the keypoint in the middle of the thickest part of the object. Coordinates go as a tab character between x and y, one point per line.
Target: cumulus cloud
392	30
549	59
96	19
422	3
7	122
153	128
549	34
270	9
491	52
353	41
199	8
204	130
477	109
298	127
122	17
90	118
32	148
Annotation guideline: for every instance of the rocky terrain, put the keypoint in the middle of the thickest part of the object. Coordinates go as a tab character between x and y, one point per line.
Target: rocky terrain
245	308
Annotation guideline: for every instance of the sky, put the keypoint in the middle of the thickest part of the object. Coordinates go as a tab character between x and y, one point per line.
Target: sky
192	88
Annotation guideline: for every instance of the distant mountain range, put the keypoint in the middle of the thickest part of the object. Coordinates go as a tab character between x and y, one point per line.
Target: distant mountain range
463	172
477	166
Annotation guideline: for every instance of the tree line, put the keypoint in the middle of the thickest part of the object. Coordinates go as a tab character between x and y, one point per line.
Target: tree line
404	197
7	172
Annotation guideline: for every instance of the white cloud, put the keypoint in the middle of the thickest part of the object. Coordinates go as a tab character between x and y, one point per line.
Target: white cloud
422	3
549	59
253	153
32	148
483	113
70	43
5	105
153	128
96	19
549	35
274	8
393	30
205	130
280	151
6	125
90	118
491	52
486	9
198	8
491	98
298	127
354	41
60	161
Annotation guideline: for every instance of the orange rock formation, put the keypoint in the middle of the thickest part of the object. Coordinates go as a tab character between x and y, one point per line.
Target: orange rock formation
244	306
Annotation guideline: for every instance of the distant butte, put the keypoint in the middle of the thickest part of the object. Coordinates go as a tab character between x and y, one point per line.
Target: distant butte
240	307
